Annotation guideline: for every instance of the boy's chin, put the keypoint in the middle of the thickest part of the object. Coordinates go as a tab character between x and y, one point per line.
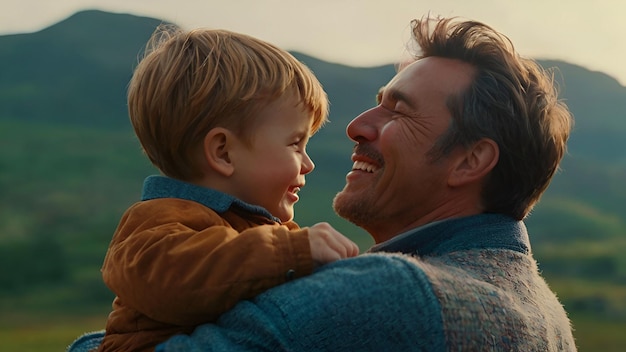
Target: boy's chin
284	214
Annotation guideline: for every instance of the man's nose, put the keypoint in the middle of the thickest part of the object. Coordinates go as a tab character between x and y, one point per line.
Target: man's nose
365	126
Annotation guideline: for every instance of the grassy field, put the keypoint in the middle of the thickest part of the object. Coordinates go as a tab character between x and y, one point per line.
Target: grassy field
46	335
593	334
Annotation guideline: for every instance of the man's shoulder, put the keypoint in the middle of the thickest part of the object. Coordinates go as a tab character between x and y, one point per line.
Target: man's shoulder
380	261
375	271
379	274
391	289
459	269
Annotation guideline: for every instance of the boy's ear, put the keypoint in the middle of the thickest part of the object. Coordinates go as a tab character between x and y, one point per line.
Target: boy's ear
216	148
475	163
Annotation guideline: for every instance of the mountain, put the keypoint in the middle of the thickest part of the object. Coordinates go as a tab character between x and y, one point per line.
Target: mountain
76	70
75	73
597	102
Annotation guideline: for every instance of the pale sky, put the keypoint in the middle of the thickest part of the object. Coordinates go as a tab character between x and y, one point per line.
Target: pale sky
589	33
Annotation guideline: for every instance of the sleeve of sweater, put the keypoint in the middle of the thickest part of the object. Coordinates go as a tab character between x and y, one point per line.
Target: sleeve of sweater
374	302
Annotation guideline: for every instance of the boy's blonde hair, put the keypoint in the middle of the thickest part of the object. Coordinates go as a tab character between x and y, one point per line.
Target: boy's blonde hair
190	82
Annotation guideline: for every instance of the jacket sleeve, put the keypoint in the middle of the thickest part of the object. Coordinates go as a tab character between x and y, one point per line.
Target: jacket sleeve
185	274
372	302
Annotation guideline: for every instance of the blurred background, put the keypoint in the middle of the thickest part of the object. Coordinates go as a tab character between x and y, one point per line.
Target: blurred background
70	164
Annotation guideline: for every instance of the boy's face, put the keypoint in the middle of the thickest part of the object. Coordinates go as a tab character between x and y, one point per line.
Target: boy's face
270	172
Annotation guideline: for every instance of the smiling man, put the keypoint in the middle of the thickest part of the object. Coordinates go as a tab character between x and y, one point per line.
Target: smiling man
462	144
395	184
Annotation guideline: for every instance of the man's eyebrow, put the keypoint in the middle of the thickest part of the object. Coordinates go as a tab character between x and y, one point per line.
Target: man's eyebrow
396	95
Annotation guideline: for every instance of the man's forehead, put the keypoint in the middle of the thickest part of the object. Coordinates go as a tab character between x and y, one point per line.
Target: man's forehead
400	88
427	74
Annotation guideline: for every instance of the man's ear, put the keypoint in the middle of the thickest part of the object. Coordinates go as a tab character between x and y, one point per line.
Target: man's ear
216	149
475	163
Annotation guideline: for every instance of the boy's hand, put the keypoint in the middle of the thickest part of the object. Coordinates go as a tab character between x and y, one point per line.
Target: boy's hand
328	245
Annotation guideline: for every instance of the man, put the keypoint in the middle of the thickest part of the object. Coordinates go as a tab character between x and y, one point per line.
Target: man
461	146
464	141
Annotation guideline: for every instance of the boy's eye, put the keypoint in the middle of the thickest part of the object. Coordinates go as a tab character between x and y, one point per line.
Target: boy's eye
296	145
302	140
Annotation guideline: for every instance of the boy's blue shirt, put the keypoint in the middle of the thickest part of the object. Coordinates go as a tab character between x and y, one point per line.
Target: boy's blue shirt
157	186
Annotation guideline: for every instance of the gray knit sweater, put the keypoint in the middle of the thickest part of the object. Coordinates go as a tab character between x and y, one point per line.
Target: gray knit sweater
467	284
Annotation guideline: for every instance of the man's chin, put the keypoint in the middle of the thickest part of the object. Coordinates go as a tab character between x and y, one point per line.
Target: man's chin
349	207
338	202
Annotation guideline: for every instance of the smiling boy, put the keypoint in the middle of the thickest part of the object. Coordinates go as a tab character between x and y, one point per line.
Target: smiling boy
226	118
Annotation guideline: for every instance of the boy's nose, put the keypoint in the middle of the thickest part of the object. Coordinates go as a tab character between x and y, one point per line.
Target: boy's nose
307	164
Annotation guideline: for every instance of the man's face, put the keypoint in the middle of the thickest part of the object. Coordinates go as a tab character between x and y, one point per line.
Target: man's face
394	185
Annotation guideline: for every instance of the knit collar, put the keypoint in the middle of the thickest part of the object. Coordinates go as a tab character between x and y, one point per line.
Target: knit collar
156	186
482	231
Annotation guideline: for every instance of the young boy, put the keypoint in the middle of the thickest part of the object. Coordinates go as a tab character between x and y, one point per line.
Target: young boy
226	118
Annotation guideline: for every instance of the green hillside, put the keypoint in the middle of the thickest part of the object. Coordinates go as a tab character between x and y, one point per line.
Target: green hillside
70	165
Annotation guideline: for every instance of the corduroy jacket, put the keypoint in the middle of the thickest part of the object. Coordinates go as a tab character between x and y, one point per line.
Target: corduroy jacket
185	254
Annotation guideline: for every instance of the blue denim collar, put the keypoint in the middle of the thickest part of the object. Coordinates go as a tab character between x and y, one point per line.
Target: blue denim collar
156	186
482	231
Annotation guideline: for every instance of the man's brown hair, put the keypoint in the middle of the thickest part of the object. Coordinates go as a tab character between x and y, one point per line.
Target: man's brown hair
512	100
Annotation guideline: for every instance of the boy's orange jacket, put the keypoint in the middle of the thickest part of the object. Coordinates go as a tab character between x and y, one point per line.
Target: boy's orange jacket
174	264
